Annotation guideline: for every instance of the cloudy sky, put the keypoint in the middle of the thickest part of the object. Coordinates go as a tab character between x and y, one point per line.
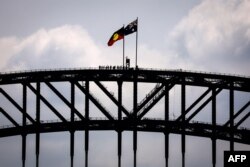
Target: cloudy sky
200	35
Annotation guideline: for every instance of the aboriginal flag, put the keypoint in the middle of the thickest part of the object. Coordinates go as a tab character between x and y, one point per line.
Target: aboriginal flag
119	34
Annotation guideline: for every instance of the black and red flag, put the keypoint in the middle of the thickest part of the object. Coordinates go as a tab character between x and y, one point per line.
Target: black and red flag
119	34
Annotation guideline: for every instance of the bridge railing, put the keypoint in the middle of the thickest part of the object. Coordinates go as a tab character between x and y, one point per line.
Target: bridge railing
112	67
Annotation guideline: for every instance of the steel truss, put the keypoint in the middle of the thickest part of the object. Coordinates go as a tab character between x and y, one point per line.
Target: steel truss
133	120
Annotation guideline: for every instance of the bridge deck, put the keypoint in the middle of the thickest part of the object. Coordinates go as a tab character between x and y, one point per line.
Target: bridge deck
241	135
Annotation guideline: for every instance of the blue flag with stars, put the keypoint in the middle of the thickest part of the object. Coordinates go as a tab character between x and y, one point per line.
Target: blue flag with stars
131	28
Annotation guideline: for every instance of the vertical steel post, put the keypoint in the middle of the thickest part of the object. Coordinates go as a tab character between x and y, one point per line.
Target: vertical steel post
72	140
119	147
72	132
87	123
214	127
166	134
24	125
86	146
119	122
135	118
231	115
135	145
23	149
183	106
38	87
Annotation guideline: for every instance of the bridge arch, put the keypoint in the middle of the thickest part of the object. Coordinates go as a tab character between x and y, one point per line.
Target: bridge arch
123	118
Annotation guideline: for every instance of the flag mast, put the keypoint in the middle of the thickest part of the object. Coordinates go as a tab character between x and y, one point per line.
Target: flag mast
123	49
136	44
121	33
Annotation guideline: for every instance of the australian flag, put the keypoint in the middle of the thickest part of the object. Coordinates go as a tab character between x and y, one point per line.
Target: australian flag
131	28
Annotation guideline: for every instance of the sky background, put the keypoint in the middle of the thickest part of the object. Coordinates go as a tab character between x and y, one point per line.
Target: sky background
200	35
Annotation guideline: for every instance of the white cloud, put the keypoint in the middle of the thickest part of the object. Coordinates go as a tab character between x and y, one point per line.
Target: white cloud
66	46
7	48
214	36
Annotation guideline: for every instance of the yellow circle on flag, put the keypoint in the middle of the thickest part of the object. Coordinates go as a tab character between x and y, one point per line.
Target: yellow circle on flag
115	37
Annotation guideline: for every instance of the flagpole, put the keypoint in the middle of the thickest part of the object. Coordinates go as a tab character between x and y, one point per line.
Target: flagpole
136	44
123	49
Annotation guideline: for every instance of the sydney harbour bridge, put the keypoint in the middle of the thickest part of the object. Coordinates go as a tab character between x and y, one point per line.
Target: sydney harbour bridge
122	118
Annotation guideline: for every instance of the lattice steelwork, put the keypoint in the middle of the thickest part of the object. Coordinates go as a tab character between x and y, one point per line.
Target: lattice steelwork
133	120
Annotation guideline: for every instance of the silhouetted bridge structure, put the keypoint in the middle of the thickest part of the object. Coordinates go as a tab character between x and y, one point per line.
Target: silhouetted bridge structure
125	120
